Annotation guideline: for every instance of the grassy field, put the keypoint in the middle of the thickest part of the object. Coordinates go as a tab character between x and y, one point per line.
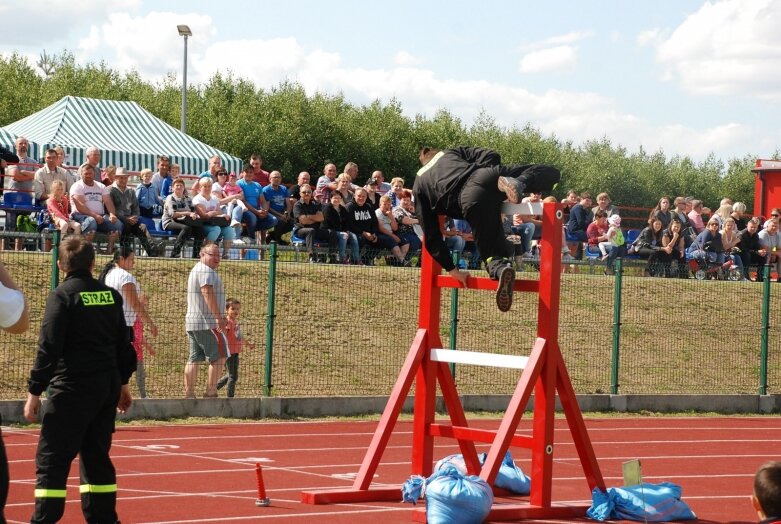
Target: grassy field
345	330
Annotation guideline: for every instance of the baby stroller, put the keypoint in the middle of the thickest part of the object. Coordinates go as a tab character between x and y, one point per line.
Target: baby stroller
712	265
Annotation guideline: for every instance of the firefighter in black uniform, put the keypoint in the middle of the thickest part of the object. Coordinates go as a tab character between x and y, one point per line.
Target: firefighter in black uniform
85	358
471	183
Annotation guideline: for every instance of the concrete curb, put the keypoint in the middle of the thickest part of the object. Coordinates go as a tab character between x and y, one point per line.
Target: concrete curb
284	407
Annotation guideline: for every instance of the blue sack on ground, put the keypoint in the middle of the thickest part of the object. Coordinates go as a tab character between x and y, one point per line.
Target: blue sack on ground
509	476
643	502
453	498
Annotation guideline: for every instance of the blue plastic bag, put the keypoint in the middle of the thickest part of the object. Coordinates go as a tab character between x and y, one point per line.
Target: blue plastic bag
453	498
643	502
509	476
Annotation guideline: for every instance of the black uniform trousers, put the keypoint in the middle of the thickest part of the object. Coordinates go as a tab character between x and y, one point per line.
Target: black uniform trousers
78	419
481	204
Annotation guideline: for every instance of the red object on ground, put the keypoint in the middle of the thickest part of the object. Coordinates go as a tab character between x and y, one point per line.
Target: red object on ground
262	499
544	374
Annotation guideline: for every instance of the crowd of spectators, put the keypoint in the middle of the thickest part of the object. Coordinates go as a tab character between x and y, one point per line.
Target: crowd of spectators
354	222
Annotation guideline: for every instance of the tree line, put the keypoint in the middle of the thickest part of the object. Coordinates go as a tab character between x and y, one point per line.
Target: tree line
295	132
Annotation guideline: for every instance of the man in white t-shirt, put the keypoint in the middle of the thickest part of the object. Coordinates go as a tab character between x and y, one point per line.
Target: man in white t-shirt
93	208
14	318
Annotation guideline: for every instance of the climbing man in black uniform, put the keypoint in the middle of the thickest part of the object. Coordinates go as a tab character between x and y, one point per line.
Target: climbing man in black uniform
85	358
471	183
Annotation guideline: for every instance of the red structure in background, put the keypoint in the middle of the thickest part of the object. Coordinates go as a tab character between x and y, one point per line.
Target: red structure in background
767	187
544	374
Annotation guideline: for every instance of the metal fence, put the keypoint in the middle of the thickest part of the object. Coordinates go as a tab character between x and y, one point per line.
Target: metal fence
334	329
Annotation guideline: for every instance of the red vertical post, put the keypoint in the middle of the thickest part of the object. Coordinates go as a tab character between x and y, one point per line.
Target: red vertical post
426	377
548	329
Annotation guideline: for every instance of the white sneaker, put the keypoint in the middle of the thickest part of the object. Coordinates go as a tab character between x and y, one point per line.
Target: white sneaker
235	223
238	241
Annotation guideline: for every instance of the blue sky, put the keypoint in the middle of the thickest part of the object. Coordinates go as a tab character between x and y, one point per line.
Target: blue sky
687	77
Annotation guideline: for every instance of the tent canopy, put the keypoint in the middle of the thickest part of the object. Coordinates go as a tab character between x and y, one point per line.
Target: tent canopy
126	134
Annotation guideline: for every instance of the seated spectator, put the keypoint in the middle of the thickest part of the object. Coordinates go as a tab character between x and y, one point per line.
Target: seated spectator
674	244
397	191
524	230
751	251
163	173
766	497
166	186
649	246
738	215
465	232
216	223
337	219
707	247
150	203
722	213
107	175
365	226
682	216
603	203
93	208
596	231
382	186
58	206
344	186
579	219
770	240
409	226
454	242
662	212
615	245
278	198
128	212
569	201
180	216
231	198
257	217
326	184
729	240
50	172
309	224
372	196
775	214
695	216
535	220
387	227
303	180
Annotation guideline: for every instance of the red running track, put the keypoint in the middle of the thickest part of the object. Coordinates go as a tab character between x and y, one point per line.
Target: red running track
206	473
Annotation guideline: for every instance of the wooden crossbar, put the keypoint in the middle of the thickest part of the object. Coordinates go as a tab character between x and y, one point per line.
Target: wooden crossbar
478	358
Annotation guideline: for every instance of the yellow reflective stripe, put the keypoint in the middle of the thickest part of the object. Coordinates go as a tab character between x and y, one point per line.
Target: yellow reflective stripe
98	488
45	493
431	163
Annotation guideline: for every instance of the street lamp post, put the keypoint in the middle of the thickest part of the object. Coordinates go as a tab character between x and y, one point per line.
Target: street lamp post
184	31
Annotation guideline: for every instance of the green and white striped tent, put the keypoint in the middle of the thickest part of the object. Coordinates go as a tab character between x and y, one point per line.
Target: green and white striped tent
126	134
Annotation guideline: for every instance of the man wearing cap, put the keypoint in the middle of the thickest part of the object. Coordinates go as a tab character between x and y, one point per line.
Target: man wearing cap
471	183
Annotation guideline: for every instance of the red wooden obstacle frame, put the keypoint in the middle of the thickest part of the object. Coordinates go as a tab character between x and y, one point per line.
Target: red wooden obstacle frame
545	374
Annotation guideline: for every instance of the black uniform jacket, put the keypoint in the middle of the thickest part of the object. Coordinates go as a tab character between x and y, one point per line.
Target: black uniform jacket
83	334
437	191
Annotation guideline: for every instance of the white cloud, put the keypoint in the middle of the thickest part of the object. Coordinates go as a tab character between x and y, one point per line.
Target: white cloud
559	58
41	22
727	47
649	37
405	59
557	40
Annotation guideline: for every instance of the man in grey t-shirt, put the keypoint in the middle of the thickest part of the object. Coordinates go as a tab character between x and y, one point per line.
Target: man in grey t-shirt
205	321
